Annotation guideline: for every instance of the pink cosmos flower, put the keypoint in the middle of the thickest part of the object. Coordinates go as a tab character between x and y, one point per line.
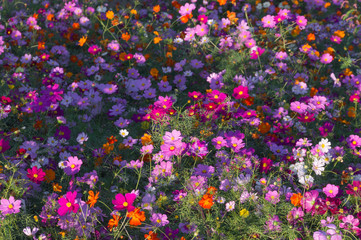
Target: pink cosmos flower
269	21
36	175
10	206
122	202
240	92
72	166
301	22
186	9
67	204
326	58
331	190
309	200
273	197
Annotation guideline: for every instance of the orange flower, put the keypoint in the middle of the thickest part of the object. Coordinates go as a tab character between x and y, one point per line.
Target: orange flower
311	37
57	187
351	112
112	140
296	199
157	40
339	33
50	17
126	36
222	2
110	15
156	9
264	127
41	45
232	17
146	139
151	236
92	199
211	190
313	91
133	11
137	217
154	72
50	175
206	201
82	41
113	222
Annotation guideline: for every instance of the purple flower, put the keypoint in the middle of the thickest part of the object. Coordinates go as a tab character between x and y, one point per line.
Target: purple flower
203	170
72	166
10	206
159	220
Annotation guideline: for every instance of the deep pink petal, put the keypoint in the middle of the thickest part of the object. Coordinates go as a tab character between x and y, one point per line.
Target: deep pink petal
62	211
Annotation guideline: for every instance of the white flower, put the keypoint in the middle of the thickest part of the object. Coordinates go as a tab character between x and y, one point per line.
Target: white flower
318	166
210	22
43	161
266	4
61	164
204	40
28	232
35	164
259	6
178	40
324	145
166	69
97	77
188	73
101	9
221	200
123	132
82	137
230	206
306	180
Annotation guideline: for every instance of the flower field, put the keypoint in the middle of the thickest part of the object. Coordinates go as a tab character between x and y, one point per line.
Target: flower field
183	119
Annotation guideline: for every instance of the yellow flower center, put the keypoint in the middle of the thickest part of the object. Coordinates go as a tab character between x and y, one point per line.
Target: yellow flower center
72	166
125	204
68	204
10	206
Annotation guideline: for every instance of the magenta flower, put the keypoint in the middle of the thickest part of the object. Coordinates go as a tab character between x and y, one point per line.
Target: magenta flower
256	53
265	165
240	92
273	197
9	206
202	18
72	166
67	204
331	190
4	145
94	49
122	202
326	58
36	175
354	141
